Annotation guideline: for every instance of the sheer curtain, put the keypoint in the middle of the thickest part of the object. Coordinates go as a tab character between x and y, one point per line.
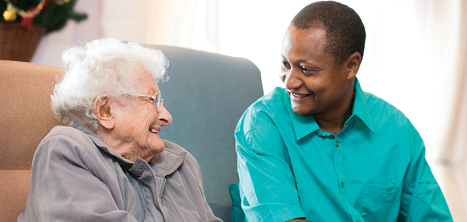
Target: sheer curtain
150	21
454	151
453	154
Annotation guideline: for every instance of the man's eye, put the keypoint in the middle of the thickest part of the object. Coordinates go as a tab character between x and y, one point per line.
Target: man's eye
286	65
307	70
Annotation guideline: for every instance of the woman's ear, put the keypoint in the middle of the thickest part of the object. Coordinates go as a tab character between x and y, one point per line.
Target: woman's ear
103	111
353	64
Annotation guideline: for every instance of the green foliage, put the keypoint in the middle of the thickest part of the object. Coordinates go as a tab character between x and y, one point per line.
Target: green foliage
53	17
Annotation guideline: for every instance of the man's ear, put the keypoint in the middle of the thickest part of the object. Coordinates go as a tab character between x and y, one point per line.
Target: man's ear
353	64
103	111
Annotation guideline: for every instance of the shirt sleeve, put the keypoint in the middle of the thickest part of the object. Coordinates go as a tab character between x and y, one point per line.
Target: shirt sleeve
267	185
63	187
422	199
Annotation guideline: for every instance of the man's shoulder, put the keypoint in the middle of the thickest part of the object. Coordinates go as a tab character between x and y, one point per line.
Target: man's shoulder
377	104
383	113
270	106
265	118
269	103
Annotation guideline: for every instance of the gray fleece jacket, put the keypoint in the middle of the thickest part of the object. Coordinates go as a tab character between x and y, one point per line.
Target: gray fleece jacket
75	176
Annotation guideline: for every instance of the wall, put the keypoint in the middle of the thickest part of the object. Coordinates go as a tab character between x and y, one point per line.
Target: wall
52	45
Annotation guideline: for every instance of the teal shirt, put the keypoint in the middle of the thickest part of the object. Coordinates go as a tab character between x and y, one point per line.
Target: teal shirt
373	170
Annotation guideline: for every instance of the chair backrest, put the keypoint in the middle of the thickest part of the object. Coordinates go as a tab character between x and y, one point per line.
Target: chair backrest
206	94
25	118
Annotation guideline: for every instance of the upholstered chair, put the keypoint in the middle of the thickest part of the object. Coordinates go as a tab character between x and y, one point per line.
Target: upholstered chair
206	94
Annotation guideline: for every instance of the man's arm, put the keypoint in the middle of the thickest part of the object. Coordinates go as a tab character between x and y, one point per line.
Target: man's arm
267	184
422	199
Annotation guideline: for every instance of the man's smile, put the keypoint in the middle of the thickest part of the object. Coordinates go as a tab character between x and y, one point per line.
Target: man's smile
299	96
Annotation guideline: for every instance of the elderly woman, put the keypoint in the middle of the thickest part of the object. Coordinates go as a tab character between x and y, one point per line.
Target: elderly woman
109	163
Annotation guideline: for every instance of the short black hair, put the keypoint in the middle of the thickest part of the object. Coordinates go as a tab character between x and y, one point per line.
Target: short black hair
345	33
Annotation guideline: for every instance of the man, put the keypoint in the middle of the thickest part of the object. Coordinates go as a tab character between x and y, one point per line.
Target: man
322	149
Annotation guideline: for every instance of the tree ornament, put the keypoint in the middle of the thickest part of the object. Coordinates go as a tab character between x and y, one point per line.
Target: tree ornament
9	15
51	14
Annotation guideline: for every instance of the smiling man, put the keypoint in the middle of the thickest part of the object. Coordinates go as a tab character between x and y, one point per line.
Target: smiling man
321	149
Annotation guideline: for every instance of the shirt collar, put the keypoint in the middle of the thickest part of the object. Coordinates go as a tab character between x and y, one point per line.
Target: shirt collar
304	125
360	106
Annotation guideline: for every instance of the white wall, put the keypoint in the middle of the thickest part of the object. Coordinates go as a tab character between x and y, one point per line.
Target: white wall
52	45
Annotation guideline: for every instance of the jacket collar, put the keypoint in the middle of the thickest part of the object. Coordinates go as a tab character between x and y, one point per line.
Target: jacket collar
169	160
304	125
164	163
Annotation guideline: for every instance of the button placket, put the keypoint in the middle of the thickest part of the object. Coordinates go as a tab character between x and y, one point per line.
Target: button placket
338	164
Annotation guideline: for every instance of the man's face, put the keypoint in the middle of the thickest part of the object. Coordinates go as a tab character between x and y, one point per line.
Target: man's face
315	84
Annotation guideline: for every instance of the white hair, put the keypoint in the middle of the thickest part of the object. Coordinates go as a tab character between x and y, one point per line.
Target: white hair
103	66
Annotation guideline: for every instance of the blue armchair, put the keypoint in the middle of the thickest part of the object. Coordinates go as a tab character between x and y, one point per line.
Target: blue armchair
207	94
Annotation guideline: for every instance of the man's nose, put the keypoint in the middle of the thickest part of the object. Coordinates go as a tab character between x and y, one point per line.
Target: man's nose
293	80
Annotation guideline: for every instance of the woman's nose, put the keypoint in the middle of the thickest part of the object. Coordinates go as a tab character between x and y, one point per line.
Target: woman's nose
164	116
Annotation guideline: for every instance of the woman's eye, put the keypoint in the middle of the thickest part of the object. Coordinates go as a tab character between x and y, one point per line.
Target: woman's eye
286	65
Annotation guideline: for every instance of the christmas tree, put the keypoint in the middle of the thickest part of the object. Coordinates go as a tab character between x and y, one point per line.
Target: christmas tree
50	14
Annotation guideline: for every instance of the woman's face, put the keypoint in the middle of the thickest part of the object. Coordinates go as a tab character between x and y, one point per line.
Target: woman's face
138	123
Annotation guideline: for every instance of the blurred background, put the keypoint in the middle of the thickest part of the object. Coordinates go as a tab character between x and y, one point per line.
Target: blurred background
415	56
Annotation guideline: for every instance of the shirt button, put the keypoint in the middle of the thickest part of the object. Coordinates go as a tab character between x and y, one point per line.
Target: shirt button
337	144
342	185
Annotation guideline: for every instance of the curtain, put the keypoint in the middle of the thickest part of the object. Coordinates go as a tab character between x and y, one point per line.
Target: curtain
149	21
454	151
451	170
